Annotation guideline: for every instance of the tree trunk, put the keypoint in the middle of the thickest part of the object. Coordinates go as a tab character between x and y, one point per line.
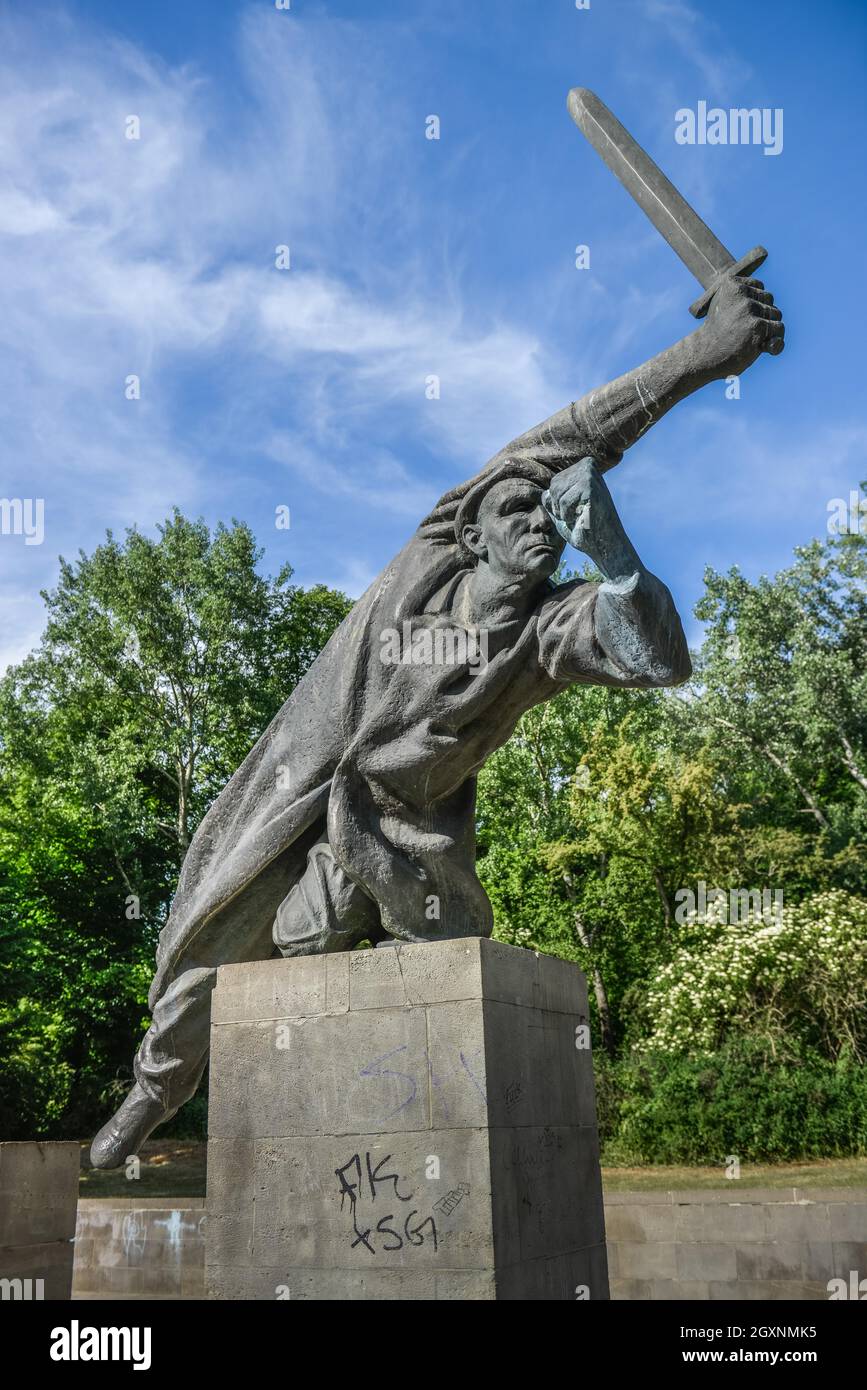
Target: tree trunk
851	765
663	898
183	797
605	1029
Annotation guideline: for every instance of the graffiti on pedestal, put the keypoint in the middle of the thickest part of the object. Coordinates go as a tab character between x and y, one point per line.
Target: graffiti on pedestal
360	1184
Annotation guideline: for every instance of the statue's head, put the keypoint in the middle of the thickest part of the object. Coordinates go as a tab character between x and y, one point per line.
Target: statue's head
502	523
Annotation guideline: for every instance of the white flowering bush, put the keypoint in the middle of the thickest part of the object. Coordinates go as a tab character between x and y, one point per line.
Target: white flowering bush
801	979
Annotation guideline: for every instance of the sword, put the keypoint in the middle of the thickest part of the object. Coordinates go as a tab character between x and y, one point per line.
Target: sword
659	200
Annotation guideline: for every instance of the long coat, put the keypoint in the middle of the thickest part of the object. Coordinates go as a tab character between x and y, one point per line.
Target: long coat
384	757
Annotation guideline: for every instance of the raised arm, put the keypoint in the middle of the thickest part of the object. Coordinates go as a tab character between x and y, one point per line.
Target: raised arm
740	325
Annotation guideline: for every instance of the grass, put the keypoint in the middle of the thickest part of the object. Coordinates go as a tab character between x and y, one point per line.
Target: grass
828	1172
176	1168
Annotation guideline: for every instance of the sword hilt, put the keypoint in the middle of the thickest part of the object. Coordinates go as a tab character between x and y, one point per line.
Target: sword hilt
745	266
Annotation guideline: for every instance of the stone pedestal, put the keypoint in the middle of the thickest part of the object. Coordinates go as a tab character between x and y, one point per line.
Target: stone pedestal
38	1202
410	1122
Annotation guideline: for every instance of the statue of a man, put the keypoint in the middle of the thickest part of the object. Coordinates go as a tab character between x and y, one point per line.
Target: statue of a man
352	819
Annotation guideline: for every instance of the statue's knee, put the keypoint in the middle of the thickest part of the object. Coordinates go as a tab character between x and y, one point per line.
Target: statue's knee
325	911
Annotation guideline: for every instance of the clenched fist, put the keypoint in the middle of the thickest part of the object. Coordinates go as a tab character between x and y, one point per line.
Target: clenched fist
582	509
742	323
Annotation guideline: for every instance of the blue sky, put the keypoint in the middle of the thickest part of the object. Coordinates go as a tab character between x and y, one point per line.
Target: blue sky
410	257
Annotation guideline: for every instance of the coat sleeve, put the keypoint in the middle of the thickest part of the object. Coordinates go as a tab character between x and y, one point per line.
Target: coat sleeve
574	433
627	634
577	431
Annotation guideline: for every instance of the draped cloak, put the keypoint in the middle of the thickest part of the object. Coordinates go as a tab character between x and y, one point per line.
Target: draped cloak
383	757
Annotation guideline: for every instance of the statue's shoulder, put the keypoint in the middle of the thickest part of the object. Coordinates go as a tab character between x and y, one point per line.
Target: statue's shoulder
554	594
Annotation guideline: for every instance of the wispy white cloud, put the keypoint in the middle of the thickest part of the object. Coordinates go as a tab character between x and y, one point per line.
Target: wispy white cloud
719	489
700	38
721	472
155	257
385	479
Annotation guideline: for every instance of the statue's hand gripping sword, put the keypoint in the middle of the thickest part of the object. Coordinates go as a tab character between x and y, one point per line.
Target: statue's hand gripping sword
659	200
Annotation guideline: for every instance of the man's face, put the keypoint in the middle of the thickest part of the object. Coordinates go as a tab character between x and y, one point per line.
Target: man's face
514	533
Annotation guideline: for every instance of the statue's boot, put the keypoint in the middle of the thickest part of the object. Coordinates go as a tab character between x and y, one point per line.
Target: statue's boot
127	1130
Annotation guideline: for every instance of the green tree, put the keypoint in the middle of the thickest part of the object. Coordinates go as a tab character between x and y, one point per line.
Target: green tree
782	689
550	889
162	662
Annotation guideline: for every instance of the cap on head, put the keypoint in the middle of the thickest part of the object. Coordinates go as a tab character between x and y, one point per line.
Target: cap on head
468	511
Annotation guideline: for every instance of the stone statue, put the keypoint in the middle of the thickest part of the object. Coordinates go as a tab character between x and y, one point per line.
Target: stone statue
352	819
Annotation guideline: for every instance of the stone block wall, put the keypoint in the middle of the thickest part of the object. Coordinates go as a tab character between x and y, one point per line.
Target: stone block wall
128	1247
757	1246
38	1199
730	1244
411	1122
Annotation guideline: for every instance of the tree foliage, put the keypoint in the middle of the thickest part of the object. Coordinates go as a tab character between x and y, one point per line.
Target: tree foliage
161	663
164	659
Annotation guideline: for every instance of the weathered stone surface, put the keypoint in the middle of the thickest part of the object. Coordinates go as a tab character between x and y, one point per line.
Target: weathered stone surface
847	1221
38	1199
139	1248
784	1260
109	1260
625	1224
706	1260
807	1221
717	1222
738	1244
36	1272
652	1260
416	1124
670	1291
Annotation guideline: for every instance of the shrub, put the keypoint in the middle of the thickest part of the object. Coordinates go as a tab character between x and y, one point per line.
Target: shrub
743	1100
801	981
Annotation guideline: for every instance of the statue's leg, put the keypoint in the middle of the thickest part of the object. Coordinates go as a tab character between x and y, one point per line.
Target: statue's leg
173	1053
326	910
168	1066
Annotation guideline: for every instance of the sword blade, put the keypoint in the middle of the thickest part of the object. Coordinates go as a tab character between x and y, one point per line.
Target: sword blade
657	197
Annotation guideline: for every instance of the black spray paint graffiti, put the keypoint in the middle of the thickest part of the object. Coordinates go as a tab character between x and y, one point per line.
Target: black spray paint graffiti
357	1192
